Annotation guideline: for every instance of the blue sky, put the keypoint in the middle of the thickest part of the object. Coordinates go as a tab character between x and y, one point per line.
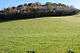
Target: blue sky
10	3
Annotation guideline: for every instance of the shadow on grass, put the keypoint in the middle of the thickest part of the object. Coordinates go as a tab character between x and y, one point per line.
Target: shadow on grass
23	18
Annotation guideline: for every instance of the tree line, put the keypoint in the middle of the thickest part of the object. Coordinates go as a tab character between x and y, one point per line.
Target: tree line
33	10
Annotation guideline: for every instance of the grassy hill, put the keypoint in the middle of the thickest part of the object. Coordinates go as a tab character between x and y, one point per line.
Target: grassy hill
42	35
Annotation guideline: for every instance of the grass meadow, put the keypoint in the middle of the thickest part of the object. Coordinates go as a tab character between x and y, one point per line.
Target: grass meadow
42	35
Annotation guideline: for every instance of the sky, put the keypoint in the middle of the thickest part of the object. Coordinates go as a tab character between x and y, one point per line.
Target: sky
10	3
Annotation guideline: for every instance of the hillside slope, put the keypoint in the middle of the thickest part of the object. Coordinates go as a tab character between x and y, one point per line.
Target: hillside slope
45	35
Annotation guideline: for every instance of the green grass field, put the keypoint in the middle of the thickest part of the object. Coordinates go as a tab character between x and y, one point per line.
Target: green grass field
45	35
